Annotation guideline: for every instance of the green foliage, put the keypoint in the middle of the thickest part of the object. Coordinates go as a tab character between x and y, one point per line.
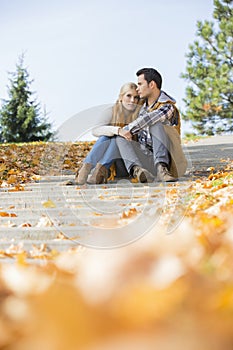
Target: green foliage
21	119
209	73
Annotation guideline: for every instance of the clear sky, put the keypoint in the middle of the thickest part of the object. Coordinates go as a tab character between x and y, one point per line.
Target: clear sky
79	53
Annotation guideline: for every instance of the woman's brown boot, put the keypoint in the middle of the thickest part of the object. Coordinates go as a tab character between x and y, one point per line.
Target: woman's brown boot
99	175
82	174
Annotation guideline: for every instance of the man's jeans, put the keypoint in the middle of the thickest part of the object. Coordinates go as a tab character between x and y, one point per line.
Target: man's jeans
132	153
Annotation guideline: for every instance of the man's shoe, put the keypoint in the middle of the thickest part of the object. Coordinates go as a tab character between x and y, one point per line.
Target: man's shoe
163	173
142	175
99	175
82	174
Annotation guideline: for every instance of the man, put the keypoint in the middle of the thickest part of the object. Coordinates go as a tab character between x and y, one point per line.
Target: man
154	153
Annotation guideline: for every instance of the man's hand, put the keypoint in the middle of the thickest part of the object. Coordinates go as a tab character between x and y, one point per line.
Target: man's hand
125	133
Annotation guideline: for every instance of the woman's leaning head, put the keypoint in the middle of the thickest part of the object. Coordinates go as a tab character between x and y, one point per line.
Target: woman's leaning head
128	96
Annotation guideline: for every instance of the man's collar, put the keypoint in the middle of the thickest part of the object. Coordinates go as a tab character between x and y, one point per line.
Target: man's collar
152	105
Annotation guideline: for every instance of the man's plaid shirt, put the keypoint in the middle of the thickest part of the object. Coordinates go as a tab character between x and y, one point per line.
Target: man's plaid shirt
148	117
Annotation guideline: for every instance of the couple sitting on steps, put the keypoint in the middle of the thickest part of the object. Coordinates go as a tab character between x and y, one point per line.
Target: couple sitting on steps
140	135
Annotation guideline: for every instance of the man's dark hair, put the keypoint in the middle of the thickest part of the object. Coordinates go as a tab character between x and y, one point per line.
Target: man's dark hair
151	74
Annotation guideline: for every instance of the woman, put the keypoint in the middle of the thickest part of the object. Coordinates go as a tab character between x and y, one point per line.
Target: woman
105	150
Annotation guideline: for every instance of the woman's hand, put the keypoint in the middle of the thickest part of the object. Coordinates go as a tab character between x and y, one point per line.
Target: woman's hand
125	133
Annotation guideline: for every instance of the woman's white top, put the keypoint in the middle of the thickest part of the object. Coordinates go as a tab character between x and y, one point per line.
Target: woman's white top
103	127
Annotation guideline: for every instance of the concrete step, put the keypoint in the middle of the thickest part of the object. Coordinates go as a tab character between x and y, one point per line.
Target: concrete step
100	216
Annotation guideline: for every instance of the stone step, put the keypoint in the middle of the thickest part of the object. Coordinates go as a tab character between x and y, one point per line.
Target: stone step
93	216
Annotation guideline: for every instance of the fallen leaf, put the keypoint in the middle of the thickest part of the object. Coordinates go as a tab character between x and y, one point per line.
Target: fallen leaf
5	214
49	204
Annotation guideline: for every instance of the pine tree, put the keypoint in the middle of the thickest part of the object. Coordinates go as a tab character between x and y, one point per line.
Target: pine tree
21	119
209	72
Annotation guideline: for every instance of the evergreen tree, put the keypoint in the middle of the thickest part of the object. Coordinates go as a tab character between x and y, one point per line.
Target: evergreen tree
209	72
20	116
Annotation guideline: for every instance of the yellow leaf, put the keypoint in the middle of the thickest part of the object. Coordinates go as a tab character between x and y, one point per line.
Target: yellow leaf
36	177
12	179
2	168
13	172
21	259
49	204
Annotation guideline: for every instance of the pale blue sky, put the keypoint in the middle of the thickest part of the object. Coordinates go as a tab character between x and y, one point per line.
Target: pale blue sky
79	53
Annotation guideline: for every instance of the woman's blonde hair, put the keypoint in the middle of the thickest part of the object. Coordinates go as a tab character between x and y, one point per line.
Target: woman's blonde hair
118	116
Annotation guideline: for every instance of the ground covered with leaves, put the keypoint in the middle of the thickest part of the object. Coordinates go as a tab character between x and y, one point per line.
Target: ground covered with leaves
165	291
21	163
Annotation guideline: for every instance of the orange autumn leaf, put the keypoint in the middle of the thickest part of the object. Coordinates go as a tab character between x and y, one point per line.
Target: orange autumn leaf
26	224
211	168
16	188
13	172
5	214
12	179
206	107
218	108
129	213
97	214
